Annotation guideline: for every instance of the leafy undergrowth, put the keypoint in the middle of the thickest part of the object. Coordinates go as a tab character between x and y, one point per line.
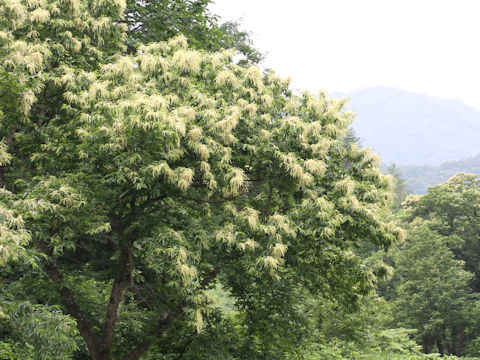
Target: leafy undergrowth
331	353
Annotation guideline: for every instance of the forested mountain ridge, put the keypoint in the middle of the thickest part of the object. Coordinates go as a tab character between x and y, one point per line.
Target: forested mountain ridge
413	129
419	178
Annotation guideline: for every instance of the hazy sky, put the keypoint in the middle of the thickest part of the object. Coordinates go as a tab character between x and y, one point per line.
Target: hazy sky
424	46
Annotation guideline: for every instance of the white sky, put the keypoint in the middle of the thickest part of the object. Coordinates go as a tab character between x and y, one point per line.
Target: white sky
424	46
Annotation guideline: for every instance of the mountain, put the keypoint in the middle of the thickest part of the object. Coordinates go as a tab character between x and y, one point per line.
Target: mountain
413	129
419	178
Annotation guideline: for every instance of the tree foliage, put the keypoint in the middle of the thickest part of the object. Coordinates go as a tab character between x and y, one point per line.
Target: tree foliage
433	293
436	282
401	190
159	20
132	184
453	210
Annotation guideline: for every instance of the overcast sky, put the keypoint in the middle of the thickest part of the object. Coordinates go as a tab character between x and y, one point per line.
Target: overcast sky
424	46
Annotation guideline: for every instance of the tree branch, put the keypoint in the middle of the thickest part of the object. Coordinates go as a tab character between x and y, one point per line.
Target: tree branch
10	136
168	320
123	280
201	201
150	201
53	271
269	200
208	279
186	344
83	326
3	180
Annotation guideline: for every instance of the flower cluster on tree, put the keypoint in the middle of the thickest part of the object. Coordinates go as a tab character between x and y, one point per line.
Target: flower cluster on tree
134	182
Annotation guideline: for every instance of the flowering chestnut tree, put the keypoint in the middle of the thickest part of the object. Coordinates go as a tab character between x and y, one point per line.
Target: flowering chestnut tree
133	184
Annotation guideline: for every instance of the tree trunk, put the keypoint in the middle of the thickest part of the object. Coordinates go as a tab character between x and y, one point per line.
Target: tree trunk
123	280
438	342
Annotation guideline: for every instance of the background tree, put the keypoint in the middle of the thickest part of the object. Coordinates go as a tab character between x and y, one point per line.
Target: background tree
435	288
351	138
433	293
401	189
453	210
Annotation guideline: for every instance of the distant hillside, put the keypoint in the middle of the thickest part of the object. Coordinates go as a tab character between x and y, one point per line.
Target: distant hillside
419	178
412	129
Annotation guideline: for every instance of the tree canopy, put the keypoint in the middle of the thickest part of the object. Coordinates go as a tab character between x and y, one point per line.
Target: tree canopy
134	183
159	20
435	287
